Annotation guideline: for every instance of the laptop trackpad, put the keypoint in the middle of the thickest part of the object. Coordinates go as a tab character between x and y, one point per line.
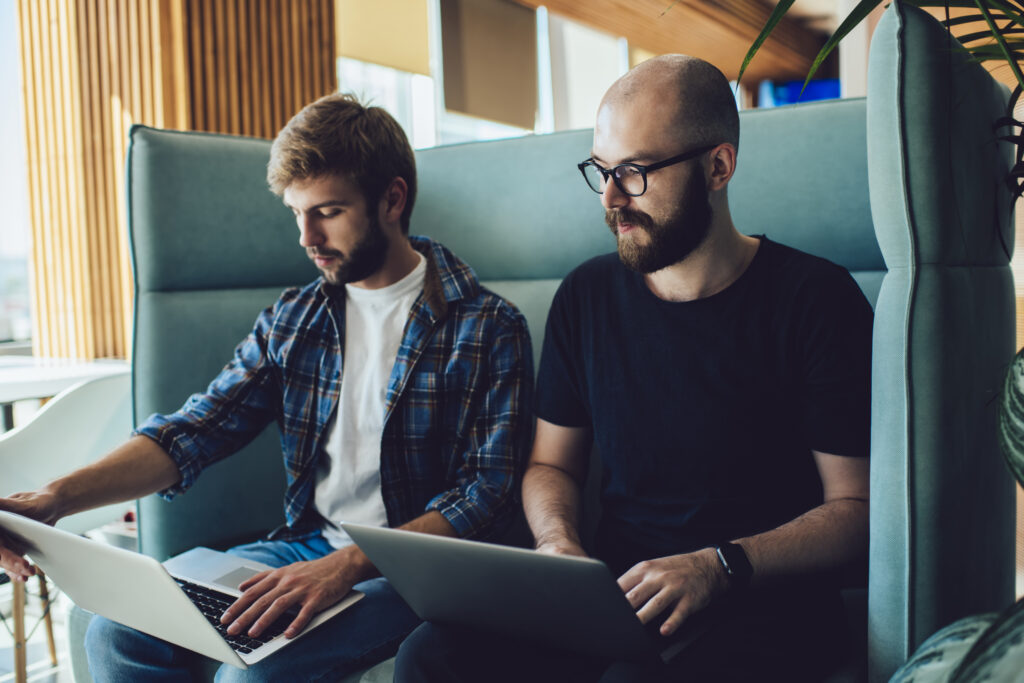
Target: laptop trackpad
233	578
212	567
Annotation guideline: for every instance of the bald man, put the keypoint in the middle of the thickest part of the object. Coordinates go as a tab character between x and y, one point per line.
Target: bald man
724	380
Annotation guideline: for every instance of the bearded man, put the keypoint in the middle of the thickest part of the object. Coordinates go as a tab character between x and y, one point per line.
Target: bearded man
724	380
401	387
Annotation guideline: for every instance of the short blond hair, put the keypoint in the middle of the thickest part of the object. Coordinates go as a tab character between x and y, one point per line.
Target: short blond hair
337	134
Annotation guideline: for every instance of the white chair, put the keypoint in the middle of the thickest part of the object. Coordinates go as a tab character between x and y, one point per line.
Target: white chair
76	427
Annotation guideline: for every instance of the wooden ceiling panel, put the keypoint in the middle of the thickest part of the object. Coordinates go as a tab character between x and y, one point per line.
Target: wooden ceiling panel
719	31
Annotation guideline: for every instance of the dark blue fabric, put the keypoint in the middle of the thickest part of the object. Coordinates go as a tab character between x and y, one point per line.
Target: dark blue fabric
705	413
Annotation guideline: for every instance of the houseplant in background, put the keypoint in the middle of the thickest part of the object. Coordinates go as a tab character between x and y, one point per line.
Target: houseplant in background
990	30
987	647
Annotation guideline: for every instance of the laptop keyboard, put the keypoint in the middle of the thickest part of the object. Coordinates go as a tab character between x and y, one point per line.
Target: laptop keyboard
212	604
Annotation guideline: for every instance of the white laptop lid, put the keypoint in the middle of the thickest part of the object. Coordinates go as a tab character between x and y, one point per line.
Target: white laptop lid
137	591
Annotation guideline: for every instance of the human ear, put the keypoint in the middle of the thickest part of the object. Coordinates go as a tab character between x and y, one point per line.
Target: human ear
722	165
393	201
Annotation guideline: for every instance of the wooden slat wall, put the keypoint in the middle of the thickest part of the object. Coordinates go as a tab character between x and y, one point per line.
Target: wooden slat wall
88	73
254	63
92	68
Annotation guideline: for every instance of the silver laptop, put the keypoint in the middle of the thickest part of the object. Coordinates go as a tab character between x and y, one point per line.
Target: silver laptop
179	601
573	603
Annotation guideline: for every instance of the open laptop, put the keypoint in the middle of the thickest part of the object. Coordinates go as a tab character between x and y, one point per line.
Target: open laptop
573	603
179	601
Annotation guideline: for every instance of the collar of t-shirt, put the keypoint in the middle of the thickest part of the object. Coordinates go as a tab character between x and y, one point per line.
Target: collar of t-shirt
382	296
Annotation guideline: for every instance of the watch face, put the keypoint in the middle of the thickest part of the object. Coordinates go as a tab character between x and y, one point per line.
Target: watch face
735	562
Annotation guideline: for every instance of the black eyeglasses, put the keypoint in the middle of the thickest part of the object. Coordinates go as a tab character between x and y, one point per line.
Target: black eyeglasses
631	179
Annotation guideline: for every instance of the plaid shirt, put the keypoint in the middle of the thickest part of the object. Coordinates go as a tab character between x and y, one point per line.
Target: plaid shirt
456	413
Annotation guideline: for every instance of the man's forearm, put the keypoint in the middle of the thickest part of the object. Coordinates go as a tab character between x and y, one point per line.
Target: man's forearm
551	501
356	566
135	469
825	538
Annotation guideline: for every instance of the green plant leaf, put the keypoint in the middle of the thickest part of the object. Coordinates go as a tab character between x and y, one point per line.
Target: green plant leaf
994	56
943	3
1001	10
857	15
987	35
773	21
965	19
975	18
992	53
1009	10
1011	57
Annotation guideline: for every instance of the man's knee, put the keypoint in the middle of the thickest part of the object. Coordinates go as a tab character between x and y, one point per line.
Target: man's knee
232	674
103	636
426	652
110	648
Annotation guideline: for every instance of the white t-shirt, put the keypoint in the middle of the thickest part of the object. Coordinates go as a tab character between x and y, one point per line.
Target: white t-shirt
348	473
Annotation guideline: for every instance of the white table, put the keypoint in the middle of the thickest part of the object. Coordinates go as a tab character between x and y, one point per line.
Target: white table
29	377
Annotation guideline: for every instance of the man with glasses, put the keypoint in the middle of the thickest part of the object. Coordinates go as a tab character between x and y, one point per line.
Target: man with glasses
724	380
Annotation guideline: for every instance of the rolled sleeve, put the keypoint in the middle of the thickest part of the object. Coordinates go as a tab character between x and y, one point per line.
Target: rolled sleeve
236	406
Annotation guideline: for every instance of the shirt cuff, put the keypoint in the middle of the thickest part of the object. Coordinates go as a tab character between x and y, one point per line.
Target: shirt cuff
177	444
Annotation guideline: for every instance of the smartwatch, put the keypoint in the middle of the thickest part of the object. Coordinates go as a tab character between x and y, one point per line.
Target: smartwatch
736	564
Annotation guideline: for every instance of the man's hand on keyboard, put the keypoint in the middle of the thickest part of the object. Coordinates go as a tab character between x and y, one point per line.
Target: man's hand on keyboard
308	587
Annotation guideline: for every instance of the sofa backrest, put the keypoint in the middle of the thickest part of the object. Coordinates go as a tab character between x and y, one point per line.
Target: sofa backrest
944	336
211	247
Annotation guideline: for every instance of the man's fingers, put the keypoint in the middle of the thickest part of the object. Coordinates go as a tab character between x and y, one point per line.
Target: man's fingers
252	589
641	593
16	565
253	580
294	593
307	612
240	605
248	607
630	580
275	609
247	620
676	619
654	606
679	601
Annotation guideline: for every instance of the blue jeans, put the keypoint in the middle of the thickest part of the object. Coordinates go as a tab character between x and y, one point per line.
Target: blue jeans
364	634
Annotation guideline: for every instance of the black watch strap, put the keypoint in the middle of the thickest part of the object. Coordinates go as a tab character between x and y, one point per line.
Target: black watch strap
736	564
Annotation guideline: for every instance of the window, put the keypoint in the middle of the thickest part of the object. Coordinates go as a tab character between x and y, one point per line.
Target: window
407	96
15	321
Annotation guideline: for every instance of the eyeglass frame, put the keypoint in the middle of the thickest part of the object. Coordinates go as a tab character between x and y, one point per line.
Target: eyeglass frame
643	170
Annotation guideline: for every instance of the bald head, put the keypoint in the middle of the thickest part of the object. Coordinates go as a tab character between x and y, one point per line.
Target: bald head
691	98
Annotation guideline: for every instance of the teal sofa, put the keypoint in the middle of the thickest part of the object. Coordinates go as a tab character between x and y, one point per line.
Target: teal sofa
904	188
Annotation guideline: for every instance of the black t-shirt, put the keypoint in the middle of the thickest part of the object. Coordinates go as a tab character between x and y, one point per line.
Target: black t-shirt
705	412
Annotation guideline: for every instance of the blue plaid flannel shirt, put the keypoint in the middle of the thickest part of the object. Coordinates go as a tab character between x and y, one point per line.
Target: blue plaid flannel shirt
457	410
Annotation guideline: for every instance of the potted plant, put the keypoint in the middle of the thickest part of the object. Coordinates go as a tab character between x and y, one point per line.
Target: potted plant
989	30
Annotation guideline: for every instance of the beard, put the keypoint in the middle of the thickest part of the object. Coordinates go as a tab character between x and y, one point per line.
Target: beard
363	260
671	241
